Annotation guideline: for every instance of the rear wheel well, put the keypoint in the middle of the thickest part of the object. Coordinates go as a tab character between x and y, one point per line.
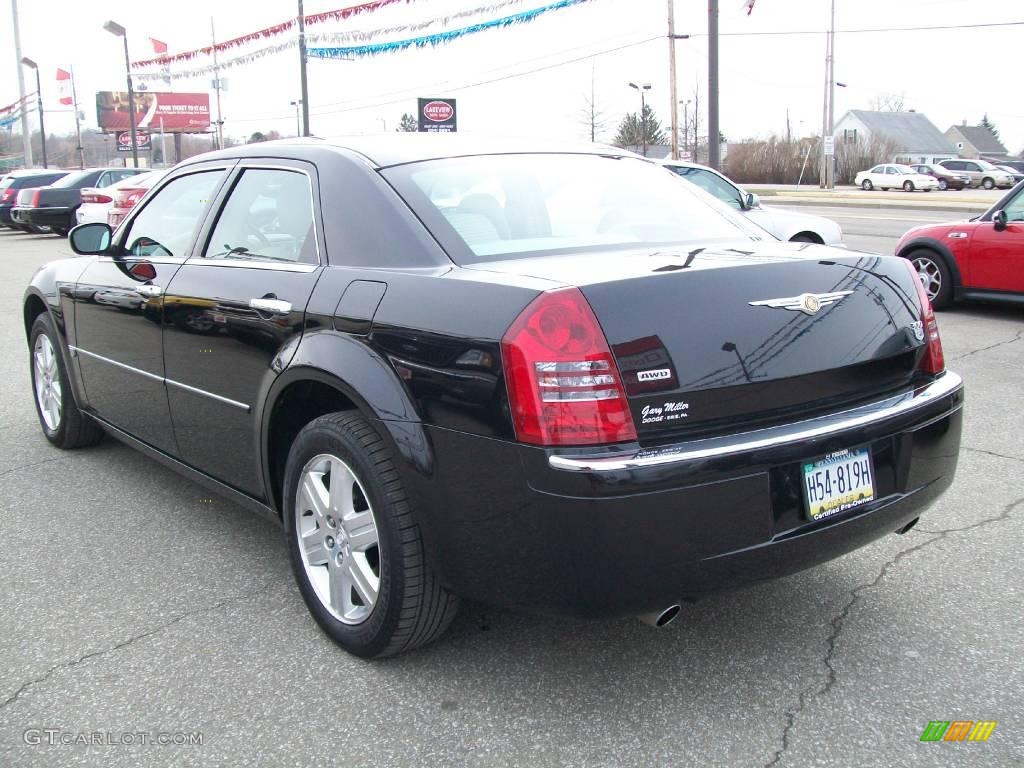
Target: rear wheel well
295	407
807	237
34	307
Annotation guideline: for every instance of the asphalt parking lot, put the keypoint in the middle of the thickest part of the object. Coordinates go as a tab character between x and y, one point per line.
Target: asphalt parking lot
133	603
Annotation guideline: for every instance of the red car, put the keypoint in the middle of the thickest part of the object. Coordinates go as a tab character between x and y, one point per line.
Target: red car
982	258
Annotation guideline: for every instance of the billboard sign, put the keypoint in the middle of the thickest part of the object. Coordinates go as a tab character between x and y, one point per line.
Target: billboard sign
142	141
437	116
180	112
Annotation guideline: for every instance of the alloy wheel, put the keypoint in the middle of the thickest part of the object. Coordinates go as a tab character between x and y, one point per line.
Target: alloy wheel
930	276
338	540
47	382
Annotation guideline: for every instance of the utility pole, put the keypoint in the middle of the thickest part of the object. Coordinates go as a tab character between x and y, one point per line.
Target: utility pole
714	146
672	77
78	124
831	170
26	137
304	86
216	85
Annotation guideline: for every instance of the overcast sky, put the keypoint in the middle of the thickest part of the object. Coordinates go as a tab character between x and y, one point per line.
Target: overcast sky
950	75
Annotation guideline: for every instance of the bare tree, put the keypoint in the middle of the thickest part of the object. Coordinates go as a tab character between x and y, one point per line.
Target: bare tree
592	117
889	102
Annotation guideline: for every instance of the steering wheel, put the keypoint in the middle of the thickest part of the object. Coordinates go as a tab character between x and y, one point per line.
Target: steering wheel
252	233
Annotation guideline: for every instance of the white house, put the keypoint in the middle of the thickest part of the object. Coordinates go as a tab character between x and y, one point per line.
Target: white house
915	137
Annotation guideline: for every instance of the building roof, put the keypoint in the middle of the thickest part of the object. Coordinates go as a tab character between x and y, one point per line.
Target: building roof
982	138
909	131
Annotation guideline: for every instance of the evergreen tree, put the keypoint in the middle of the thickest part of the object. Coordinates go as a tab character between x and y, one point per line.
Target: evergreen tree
986	123
634	128
407	124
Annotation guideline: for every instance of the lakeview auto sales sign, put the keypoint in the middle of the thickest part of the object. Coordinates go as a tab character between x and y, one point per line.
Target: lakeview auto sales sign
437	116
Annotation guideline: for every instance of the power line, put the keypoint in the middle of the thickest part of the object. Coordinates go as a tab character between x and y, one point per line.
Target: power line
866	30
464	86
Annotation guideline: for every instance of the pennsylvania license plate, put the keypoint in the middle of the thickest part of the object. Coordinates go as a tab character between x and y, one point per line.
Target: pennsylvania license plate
838	482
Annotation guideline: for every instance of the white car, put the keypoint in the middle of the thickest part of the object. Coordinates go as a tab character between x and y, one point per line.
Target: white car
97	201
894	176
785	225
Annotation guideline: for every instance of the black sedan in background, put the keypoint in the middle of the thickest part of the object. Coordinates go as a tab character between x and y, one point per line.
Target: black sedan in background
13	183
54	205
947	179
550	378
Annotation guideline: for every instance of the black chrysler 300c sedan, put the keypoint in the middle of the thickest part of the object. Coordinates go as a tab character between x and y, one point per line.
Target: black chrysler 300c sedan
559	379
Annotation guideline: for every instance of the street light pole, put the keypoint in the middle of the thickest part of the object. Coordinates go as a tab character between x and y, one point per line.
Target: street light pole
39	101
118	31
686	123
298	118
26	137
643	88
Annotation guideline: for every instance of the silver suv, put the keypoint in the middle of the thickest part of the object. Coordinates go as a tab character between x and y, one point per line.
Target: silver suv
982	173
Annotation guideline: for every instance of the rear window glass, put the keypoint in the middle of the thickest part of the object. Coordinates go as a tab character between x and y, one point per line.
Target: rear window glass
73	179
492	207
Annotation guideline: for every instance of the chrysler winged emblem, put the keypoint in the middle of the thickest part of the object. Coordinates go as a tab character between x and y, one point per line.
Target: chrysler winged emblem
808	303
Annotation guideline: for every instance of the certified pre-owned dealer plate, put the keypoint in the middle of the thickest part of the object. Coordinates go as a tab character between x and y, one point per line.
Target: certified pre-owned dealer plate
838	482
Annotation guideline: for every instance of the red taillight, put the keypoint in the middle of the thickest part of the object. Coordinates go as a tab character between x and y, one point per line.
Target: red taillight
934	361
96	197
35	198
127	198
7	195
563	385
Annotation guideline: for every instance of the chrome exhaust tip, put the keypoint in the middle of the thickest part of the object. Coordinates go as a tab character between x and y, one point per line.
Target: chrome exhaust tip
661	618
907	528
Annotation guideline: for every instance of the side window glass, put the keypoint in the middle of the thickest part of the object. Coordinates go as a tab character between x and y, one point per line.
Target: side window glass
268	215
717	186
168	223
104	179
1015	208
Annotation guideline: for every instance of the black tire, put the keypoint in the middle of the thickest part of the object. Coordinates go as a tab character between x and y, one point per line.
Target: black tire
943	185
866	185
412	608
60	232
74	429
927	260
987	183
908	186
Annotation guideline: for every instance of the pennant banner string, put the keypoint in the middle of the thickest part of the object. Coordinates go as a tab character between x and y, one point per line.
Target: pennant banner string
329	37
439	38
268	32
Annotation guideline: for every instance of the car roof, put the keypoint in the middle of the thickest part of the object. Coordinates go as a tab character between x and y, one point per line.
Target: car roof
386	150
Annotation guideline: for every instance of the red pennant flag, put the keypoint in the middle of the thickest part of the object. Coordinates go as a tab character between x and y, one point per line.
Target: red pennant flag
158	47
749	5
64	87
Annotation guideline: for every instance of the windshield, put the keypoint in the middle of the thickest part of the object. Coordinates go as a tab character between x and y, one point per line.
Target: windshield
72	179
906	170
6	182
515	206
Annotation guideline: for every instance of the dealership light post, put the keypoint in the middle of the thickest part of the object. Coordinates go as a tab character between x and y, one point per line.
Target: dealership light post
643	88
39	101
118	31
686	124
298	116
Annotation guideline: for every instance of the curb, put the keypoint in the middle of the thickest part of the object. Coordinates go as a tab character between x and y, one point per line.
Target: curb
877	205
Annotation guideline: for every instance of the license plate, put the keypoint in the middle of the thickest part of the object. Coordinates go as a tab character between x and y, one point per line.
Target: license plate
838	482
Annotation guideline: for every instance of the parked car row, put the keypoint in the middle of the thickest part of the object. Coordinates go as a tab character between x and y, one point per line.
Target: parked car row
946	174
48	201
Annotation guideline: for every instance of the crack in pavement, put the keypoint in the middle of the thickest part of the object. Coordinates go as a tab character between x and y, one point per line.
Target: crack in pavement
125	643
991	346
992	453
35	464
838	622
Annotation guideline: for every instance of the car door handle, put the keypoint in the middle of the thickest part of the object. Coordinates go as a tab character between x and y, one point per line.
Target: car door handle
271	306
149	290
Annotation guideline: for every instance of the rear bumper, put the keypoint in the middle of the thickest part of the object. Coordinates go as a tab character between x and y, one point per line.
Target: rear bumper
47	217
618	533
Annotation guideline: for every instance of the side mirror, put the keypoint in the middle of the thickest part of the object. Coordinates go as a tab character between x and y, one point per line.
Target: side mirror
90	239
999	221
752	201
